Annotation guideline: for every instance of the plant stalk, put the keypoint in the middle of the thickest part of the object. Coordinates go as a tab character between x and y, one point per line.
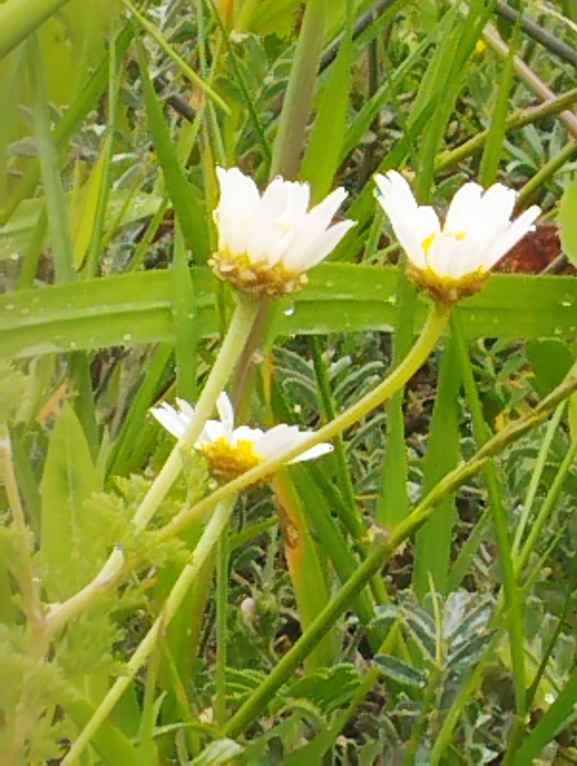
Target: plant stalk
229	354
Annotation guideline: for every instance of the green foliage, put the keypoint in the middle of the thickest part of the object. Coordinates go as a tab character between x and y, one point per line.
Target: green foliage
423	610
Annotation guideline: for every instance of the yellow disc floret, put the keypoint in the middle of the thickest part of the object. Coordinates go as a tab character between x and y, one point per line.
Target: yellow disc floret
256	278
226	461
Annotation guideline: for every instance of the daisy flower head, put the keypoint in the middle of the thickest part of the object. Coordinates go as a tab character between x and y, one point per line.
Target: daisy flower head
232	451
266	243
452	261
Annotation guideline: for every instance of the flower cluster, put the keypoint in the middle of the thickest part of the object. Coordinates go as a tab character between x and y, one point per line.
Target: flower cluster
232	451
452	261
267	243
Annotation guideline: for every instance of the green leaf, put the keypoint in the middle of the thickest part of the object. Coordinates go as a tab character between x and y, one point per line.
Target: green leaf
192	215
112	745
69	547
433	548
51	178
551	360
560	712
568	221
400	671
328	689
221	751
124	310
321	159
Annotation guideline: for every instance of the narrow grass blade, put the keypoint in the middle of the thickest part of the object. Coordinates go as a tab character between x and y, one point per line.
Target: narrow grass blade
192	216
433	545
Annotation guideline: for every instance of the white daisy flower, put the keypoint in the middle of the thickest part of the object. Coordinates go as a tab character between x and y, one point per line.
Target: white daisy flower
232	451
267	243
452	261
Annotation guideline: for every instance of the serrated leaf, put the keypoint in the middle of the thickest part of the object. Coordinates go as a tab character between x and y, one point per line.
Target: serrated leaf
400	671
68	548
329	688
568	221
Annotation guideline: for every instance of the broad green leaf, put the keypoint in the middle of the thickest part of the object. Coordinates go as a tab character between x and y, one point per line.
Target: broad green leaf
69	548
568	221
137	308
551	360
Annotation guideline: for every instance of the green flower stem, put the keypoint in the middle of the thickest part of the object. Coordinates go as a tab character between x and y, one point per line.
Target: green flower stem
536	476
27	583
432	331
515	121
222	559
547	171
204	548
107	579
521	561
377	558
231	350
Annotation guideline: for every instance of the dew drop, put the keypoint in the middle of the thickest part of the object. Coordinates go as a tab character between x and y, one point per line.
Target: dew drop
567	304
558	331
73	345
25	311
289	311
127	336
9	307
329	283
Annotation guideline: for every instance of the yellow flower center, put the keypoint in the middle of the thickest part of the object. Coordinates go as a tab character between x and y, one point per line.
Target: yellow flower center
226	461
256	277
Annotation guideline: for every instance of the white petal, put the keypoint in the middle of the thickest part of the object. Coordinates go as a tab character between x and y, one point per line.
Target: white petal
239	196
514	233
283	437
186	409
212	431
246	433
320	248
225	411
444	257
276	440
168	417
317	451
412	224
464	209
